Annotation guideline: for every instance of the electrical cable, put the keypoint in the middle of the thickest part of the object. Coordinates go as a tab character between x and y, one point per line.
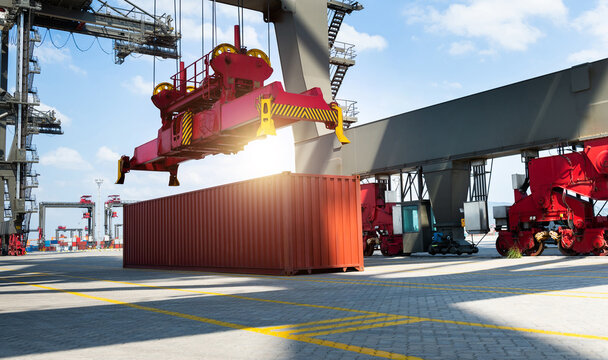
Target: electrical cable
101	48
43	38
55	45
78	47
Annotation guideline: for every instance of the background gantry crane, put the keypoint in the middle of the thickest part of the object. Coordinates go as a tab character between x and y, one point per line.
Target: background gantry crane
132	29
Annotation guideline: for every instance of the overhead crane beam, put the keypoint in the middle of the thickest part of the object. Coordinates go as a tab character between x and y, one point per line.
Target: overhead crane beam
133	30
562	108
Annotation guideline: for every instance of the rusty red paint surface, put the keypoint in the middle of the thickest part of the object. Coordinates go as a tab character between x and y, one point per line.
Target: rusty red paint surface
283	224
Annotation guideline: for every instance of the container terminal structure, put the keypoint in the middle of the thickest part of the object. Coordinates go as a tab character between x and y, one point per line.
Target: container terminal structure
563	109
132	29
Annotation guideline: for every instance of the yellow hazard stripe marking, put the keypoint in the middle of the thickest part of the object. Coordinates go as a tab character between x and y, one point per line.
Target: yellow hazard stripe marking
301	338
321	322
455	322
304	113
364	327
344	324
187	128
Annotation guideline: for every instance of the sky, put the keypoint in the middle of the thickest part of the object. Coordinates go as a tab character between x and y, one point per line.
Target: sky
410	54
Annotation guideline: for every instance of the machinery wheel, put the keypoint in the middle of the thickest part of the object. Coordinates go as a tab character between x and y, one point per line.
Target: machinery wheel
536	250
162	86
431	250
223	48
501	248
257	53
190	88
600	252
369	250
564	251
384	251
406	254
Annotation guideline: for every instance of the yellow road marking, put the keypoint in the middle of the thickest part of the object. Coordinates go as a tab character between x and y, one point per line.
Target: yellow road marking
301	338
446	287
342	324
489	326
544	275
457	286
321	322
357	328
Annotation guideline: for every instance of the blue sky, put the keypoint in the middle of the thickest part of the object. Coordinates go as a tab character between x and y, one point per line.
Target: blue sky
411	54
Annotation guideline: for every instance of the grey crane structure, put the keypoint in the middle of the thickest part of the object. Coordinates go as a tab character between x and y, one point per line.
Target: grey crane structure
68	230
441	143
43	206
132	29
108	212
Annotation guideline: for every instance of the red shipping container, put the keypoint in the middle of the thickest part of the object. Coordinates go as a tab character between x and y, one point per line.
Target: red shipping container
280	224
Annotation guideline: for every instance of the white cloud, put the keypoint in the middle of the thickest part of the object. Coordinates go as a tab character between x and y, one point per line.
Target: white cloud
592	23
48	54
461	47
361	40
138	85
77	70
447	85
65	120
588	55
104	153
506	24
65	158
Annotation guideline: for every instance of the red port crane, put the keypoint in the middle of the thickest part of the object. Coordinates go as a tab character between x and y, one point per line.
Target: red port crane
560	206
218	104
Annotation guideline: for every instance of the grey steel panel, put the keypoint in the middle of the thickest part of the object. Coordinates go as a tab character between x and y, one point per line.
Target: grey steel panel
536	113
476	217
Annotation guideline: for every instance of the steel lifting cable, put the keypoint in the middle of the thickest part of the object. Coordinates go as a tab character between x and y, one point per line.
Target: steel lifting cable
213	25
176	31
268	25
154	56
202	28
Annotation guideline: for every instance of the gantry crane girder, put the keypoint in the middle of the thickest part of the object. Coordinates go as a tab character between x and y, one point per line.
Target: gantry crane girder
563	108
43	206
133	30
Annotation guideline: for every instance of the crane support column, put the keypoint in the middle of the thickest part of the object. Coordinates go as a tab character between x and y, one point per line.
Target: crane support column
447	184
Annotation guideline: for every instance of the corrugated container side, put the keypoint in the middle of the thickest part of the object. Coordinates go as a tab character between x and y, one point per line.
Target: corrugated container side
277	224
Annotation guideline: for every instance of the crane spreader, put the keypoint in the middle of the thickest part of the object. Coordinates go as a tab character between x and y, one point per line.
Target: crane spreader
205	113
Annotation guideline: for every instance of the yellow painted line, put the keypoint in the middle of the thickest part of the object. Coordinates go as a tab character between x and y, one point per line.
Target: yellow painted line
461	286
321	322
447	288
499	327
512	328
343	324
442	287
365	327
301	338
545	275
